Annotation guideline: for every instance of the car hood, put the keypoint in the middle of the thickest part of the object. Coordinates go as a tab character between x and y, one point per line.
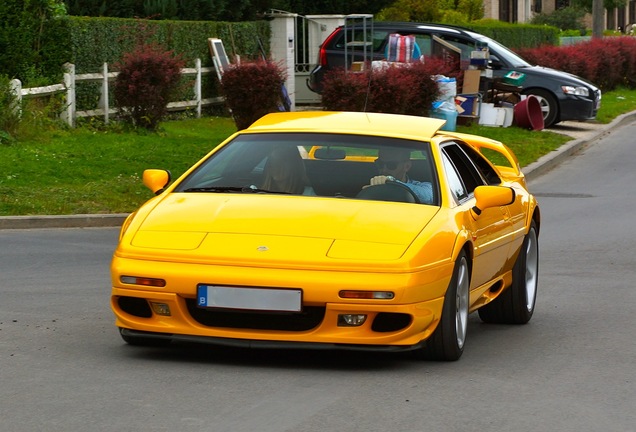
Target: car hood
271	228
564	77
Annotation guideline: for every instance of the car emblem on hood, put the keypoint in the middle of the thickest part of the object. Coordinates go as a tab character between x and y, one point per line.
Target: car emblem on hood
262	248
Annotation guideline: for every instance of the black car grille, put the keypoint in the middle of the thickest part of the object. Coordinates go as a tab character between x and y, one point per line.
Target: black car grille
308	319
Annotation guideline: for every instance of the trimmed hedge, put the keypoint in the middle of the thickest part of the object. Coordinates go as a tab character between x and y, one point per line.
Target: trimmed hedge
517	36
95	41
89	42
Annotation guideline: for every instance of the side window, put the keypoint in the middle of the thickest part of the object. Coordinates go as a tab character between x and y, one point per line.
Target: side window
465	46
467	171
454	182
424	42
377	38
485	169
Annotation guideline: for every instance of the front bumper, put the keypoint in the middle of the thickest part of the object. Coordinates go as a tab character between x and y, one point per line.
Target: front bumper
579	107
264	344
402	322
386	325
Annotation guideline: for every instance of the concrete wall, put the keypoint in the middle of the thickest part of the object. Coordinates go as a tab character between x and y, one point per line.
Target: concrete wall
284	40
282	49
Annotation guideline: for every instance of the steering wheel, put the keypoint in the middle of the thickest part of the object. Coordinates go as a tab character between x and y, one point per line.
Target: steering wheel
390	191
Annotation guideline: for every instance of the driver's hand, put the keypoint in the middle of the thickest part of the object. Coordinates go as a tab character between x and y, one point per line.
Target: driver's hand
381	179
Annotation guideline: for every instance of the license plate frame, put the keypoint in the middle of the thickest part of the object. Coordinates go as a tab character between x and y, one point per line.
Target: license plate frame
249	298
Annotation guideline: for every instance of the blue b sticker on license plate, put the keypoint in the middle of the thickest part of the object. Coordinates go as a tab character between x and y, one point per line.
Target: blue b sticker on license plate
265	299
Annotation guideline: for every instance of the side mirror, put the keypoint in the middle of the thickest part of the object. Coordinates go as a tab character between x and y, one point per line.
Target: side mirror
156	180
492	196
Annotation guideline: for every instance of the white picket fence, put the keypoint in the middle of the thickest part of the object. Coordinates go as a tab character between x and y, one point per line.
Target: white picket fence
70	114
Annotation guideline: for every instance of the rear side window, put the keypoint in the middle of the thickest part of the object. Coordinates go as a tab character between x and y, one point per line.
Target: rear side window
377	38
429	45
424	42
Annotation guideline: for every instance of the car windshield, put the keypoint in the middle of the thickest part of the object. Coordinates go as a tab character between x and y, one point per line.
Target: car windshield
321	165
508	56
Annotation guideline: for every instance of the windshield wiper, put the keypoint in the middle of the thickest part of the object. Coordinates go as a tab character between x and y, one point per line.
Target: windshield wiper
215	189
221	189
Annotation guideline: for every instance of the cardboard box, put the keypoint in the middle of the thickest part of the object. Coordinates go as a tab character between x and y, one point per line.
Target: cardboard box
514	78
481	54
492	116
466	104
357	66
471	81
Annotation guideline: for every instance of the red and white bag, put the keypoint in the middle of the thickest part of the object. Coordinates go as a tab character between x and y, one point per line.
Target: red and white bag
400	48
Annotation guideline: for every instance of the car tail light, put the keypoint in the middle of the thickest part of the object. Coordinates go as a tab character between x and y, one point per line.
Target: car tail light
322	54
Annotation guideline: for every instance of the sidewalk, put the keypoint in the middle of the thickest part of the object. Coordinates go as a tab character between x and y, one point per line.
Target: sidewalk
582	133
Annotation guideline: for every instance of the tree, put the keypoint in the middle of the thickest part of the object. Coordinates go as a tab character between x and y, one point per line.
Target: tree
588	5
411	10
23	26
569	18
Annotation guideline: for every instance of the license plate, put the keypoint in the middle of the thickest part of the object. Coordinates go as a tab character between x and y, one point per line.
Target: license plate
266	299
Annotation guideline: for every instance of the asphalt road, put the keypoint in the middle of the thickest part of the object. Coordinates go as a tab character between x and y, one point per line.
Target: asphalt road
64	368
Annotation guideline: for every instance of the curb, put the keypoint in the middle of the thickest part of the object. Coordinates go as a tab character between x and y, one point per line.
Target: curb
535	169
549	161
63	221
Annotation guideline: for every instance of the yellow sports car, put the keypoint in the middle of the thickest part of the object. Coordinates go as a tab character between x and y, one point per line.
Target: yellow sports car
338	230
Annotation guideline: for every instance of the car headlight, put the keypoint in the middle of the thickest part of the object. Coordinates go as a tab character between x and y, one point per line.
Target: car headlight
577	91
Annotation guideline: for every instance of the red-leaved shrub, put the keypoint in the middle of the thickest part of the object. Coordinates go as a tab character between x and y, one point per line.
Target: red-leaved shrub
608	62
147	79
251	90
398	89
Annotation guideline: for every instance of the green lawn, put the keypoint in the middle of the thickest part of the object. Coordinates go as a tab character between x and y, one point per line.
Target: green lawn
87	170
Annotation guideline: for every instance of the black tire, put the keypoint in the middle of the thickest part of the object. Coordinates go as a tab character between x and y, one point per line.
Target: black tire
516	304
143	341
448	340
549	106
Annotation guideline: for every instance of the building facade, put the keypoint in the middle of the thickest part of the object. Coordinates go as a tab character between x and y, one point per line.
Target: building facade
521	11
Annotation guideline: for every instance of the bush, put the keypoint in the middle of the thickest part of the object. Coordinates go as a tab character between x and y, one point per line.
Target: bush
409	90
147	79
251	90
569	18
608	62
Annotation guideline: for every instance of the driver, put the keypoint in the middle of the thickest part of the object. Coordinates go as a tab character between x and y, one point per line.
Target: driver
393	165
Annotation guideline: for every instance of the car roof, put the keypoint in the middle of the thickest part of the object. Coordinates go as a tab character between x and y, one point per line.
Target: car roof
399	25
358	123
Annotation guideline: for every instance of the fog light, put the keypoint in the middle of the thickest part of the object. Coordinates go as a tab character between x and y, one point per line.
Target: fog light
160	308
351	320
